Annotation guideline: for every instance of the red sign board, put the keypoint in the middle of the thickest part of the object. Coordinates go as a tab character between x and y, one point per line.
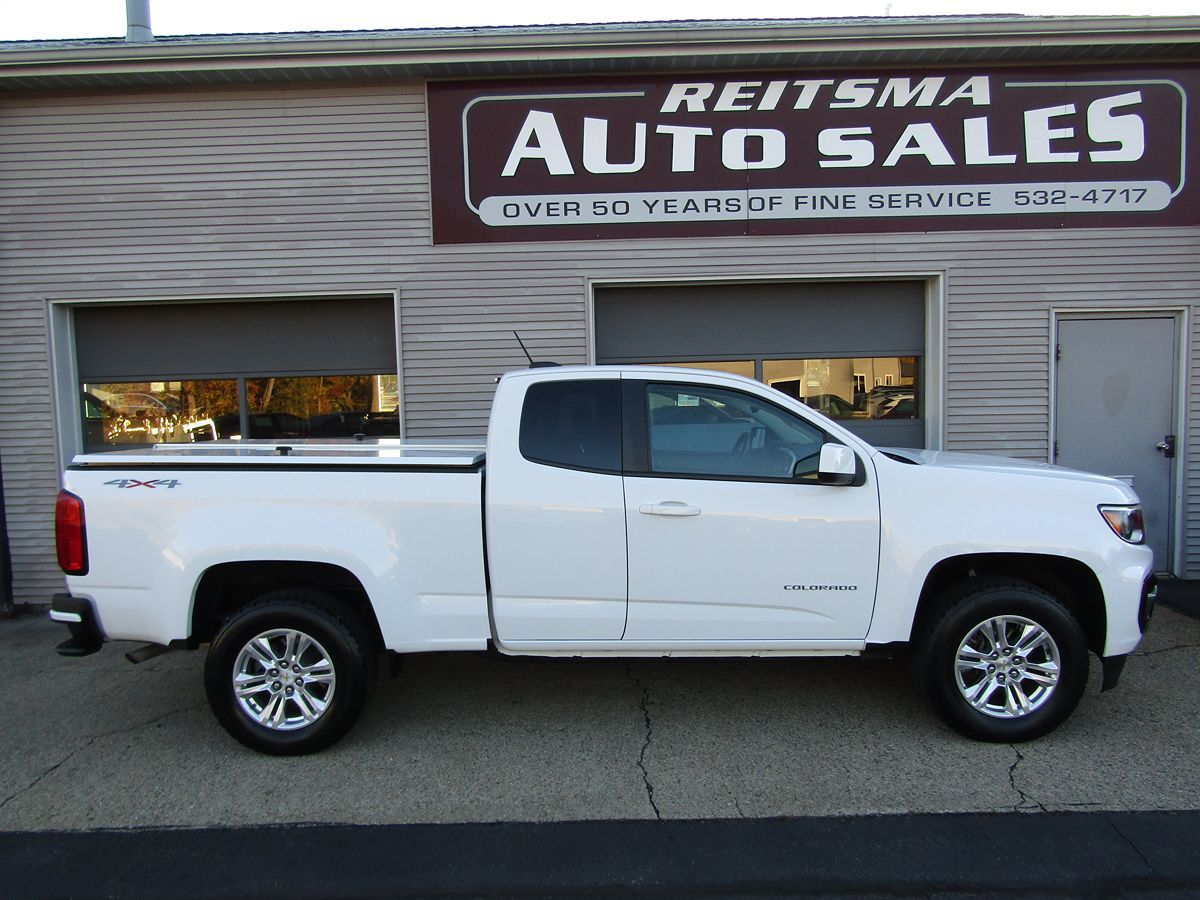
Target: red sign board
800	153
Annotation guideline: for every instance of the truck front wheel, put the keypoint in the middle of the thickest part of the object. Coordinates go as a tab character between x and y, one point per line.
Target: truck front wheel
1002	660
286	674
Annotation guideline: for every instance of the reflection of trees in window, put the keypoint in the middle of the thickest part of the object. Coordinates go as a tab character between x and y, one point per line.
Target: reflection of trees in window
209	398
146	412
310	396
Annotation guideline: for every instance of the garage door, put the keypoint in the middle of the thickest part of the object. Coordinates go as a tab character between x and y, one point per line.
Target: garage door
854	350
199	371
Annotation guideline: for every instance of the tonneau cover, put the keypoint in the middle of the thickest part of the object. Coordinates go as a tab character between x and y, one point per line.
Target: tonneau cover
367	452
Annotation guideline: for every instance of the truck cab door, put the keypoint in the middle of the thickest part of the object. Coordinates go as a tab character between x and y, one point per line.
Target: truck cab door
731	536
555	512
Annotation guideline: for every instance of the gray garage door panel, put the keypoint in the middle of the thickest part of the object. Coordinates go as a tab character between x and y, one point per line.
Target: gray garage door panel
339	336
682	322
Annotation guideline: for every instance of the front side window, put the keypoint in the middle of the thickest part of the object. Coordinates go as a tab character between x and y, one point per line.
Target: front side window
576	424
705	431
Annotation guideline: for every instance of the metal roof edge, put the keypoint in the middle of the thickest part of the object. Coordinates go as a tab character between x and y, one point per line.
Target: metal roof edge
448	48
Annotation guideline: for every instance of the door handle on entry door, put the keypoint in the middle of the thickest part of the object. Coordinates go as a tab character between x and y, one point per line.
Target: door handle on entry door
669	508
1167	446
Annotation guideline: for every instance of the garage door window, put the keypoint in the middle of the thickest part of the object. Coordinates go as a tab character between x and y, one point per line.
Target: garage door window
117	415
880	387
743	367
320	406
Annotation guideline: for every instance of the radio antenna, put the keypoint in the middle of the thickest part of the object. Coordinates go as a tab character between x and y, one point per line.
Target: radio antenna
533	364
522	343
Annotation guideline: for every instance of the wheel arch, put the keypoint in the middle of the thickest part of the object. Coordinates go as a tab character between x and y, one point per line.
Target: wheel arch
1071	581
226	587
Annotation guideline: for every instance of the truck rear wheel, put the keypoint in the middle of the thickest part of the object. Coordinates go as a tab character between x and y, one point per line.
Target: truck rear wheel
1002	660
287	675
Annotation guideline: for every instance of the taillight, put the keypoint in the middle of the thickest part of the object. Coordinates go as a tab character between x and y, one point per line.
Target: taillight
70	534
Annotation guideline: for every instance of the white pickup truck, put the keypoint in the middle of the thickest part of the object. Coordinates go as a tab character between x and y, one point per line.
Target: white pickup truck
615	511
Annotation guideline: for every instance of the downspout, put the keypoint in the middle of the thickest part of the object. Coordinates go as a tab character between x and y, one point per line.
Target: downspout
6	573
137	22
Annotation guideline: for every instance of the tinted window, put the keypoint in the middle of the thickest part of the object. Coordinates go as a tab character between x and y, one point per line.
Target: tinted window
573	423
695	430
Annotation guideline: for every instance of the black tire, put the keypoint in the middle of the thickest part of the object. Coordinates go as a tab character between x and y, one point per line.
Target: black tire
308	717
991	613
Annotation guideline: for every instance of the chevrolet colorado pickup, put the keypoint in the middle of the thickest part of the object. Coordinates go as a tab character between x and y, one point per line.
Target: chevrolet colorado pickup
614	511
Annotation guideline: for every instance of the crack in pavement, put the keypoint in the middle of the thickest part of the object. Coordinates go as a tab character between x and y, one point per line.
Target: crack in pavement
1025	804
1132	845
1166	650
88	743
644	706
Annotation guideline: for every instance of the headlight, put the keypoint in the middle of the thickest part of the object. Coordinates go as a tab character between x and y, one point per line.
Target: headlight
1126	522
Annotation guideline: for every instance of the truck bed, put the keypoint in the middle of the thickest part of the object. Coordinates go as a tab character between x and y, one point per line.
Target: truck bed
403	519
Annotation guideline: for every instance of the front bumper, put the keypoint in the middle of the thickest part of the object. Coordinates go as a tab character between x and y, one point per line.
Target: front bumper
77	614
1114	665
1146	608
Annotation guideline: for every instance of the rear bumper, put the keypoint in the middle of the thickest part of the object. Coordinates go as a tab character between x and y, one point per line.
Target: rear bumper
80	618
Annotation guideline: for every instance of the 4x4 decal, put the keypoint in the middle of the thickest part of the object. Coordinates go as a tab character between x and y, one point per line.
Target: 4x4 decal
152	483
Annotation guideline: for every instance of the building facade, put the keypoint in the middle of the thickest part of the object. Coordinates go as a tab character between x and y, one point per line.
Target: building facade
970	234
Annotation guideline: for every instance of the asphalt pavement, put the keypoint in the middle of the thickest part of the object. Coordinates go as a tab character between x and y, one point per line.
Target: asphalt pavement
745	753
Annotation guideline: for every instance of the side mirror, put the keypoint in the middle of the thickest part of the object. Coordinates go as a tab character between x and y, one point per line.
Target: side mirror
838	465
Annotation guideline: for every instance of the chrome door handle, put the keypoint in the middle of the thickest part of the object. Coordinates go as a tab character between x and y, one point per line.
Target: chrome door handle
668	508
1166	446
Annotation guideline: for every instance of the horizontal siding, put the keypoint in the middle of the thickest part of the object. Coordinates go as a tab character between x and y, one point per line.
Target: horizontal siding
1192	484
310	189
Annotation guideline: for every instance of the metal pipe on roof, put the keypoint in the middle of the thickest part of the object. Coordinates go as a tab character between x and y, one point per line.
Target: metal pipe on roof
137	22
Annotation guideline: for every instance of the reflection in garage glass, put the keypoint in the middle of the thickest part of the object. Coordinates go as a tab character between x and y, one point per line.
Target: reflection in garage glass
320	406
118	415
881	387
700	430
743	367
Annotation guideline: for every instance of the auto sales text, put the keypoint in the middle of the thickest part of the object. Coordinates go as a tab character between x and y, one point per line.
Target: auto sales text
1113	125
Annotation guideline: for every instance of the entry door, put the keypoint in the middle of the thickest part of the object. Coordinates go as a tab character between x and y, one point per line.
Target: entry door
730	536
1117	392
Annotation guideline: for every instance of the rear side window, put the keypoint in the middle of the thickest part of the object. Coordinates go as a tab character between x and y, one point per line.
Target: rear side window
576	424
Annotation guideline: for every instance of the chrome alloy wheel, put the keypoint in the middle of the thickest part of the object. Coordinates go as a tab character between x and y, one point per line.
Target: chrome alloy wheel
283	679
1007	667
